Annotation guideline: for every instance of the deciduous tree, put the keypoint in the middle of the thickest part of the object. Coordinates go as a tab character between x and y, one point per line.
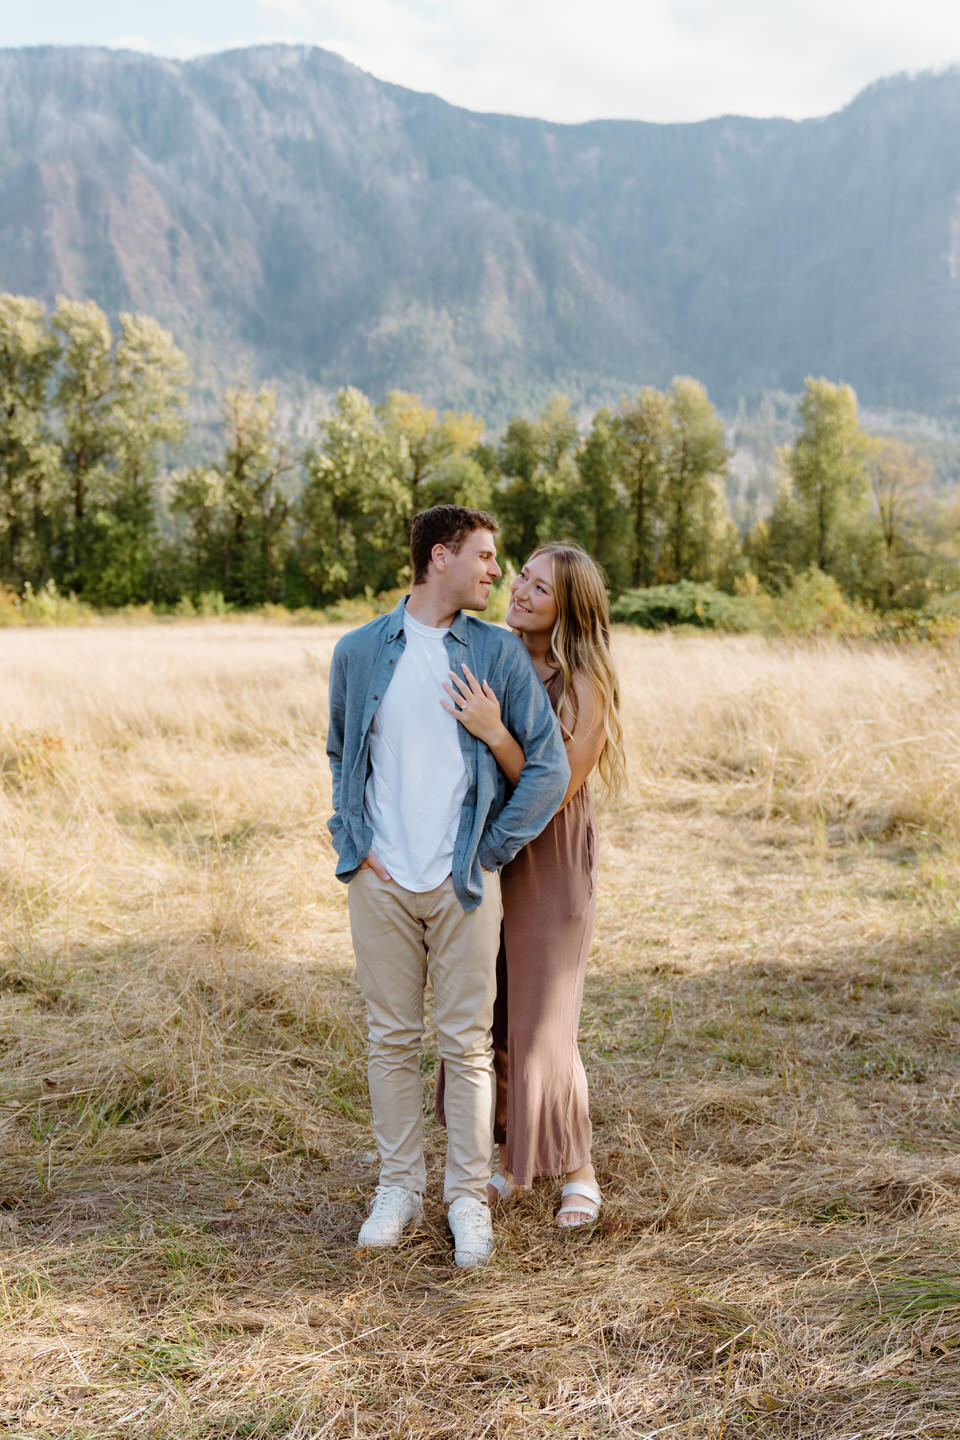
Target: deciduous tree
641	432
899	480
237	511
432	458
827	470
538	497
150	378
118	403
696	523
606	514
84	401
354	510
28	454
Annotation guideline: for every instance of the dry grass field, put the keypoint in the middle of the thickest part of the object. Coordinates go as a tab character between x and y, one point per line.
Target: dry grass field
772	1031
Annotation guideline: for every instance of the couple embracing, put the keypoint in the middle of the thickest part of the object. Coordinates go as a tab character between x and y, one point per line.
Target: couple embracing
464	828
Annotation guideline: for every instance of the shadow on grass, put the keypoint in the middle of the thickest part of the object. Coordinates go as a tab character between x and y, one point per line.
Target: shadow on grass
186	1162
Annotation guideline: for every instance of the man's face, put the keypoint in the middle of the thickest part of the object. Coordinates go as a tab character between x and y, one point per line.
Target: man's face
470	573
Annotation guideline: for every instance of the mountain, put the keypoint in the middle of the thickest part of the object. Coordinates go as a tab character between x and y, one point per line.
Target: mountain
280	205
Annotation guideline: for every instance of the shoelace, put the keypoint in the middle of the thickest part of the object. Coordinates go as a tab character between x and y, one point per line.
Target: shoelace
471	1224
387	1197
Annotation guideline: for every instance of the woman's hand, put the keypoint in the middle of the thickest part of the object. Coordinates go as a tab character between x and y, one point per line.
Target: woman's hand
476	706
478	710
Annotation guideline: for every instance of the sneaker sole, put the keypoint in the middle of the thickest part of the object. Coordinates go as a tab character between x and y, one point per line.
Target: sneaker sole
405	1234
470	1261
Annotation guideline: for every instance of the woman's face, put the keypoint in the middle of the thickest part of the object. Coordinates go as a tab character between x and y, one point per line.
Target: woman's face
533	605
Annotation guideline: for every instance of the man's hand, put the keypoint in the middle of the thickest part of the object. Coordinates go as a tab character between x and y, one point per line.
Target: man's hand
377	866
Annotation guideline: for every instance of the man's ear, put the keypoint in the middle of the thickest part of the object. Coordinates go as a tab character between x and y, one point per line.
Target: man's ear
439	555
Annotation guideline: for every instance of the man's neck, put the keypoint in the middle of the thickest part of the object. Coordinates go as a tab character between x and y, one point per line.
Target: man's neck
430	607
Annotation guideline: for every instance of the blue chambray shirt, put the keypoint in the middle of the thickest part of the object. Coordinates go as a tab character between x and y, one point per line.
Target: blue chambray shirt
495	822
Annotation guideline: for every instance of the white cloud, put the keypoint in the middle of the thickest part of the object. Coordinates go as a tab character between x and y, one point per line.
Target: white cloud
130	42
570	60
296	10
564	60
173	47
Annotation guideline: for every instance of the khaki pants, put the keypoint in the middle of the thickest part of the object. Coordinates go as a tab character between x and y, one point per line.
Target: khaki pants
400	938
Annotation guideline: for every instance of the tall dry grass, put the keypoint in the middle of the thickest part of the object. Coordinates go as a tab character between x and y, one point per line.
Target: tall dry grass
150	768
771	1028
866	738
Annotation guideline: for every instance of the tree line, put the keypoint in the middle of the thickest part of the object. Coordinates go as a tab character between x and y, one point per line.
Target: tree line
93	419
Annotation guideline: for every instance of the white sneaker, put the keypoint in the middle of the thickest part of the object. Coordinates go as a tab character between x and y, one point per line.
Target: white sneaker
393	1207
469	1221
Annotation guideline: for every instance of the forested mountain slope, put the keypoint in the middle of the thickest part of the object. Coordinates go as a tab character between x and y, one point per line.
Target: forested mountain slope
280	205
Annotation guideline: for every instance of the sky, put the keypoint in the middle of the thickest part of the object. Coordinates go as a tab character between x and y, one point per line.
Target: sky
561	60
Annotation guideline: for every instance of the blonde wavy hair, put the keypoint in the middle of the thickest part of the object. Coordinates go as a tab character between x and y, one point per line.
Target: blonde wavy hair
580	643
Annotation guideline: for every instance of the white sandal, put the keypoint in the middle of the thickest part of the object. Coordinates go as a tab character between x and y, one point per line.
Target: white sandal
588	1206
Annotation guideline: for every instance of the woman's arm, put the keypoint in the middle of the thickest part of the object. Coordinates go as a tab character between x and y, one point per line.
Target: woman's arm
477	708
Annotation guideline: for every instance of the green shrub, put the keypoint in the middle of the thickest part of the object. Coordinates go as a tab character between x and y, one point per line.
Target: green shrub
354	611
208	604
144	613
937	620
45	606
287	615
814	604
10	612
685	603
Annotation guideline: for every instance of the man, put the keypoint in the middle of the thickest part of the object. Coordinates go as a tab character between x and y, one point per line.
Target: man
423	820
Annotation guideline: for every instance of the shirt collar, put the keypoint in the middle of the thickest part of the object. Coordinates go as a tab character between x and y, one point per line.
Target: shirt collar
395	628
458	629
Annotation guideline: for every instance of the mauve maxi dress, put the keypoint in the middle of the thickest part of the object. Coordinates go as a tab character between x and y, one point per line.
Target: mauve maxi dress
549	903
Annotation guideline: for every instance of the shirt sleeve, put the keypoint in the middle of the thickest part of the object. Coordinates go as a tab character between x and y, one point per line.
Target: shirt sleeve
335	740
543	781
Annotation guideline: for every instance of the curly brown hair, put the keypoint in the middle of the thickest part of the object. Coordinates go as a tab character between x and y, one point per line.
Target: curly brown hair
443	525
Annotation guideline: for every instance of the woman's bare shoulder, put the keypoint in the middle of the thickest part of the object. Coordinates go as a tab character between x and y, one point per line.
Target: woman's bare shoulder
582	708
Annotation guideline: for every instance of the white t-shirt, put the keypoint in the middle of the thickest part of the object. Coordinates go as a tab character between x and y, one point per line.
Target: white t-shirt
417	780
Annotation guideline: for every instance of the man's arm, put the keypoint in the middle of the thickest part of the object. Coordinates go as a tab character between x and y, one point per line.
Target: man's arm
335	740
335	732
542	783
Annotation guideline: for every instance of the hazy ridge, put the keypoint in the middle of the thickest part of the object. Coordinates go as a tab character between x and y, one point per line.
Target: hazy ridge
280	205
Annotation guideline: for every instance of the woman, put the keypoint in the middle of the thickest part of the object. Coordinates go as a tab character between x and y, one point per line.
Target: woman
558	607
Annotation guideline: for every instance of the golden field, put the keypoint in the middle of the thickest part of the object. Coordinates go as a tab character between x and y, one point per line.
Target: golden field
771	1029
